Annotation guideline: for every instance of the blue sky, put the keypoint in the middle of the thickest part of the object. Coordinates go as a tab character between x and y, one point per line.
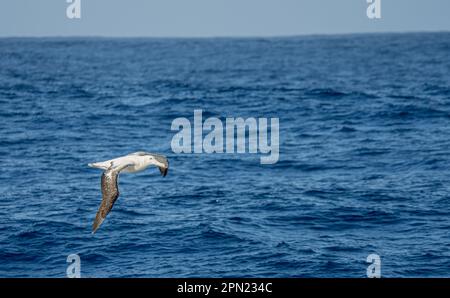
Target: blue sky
202	18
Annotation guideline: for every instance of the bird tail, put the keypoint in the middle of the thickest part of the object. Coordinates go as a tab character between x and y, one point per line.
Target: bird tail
97	165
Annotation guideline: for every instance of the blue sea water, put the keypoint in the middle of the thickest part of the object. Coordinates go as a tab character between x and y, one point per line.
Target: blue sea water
364	156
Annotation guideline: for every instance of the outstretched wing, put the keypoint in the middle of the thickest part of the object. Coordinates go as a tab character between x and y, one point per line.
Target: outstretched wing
110	193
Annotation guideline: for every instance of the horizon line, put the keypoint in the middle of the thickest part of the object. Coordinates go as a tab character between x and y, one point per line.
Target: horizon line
222	36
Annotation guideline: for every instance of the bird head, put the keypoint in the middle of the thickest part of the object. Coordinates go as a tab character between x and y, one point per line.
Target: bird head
160	161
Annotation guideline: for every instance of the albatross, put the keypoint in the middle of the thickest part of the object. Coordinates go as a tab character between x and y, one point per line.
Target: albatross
131	163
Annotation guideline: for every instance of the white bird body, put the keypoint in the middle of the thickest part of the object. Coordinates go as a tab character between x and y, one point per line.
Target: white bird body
136	162
131	163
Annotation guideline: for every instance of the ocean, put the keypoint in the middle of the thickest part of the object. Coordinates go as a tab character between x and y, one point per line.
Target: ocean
364	127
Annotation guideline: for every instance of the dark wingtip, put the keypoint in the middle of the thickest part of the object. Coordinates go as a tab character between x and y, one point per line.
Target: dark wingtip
164	171
97	223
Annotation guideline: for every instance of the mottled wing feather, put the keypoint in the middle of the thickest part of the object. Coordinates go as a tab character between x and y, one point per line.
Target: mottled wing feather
110	193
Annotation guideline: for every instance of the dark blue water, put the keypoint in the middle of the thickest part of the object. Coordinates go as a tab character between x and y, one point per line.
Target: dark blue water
364	156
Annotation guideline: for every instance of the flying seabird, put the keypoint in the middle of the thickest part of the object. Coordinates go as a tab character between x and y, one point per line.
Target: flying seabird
131	163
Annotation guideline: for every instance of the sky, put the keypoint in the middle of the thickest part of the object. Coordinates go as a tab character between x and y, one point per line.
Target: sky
216	18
